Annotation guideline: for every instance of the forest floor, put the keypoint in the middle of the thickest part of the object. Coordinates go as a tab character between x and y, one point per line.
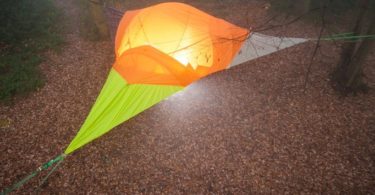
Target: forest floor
247	130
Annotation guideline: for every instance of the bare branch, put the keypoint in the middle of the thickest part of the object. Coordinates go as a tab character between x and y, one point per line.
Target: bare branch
316	47
257	29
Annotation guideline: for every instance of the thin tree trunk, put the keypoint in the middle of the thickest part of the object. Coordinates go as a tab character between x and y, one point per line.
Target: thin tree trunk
348	75
356	65
97	14
302	6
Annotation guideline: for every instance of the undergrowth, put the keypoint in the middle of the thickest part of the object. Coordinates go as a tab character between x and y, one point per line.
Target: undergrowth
26	29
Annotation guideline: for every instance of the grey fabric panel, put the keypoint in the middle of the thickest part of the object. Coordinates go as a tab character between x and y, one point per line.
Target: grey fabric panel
258	45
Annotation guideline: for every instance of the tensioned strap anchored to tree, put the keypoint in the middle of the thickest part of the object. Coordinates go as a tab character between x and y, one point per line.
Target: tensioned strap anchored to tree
349	36
45	166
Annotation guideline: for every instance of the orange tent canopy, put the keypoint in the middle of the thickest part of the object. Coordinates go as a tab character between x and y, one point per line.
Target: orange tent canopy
174	44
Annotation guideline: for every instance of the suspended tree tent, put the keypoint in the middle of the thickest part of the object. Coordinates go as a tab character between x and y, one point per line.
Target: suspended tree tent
159	51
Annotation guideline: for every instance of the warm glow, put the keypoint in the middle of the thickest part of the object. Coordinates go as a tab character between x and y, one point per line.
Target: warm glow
187	43
182	57
173	44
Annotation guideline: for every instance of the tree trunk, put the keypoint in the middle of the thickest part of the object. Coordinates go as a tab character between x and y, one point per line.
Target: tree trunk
302	6
97	14
348	74
355	67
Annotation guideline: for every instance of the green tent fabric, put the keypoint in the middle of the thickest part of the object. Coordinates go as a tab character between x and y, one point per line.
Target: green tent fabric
118	102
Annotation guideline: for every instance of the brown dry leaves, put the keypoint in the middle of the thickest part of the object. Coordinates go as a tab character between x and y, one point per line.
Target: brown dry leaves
247	130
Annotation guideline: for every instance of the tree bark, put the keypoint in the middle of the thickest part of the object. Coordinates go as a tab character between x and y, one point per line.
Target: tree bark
97	14
348	74
356	65
302	6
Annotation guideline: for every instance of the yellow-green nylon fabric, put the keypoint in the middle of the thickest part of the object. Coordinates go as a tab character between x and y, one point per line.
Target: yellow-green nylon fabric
118	102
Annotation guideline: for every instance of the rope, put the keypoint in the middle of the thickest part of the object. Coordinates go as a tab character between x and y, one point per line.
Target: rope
45	166
355	37
49	173
346	36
